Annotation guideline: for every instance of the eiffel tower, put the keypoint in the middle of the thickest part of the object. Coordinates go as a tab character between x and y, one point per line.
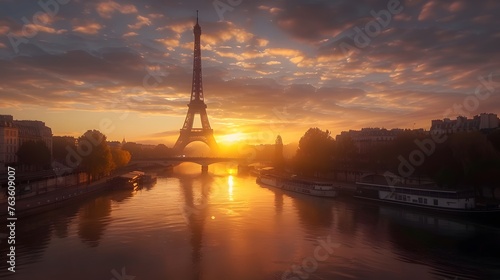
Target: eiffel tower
196	105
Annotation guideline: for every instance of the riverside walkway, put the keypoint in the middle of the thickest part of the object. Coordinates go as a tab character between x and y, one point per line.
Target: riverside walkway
31	204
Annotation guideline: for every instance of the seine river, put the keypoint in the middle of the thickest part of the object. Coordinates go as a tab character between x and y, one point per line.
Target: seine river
224	226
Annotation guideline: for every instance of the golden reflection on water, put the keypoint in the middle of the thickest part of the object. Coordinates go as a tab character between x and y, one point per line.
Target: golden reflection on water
230	183
222	225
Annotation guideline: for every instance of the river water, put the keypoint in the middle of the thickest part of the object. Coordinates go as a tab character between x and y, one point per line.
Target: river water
225	226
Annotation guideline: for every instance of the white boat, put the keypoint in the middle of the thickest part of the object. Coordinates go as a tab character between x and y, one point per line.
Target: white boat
300	185
428	197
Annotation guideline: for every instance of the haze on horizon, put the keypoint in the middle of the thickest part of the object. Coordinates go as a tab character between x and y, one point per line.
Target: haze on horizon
269	67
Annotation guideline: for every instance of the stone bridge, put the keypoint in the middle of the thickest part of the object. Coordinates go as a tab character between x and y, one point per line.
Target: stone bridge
203	161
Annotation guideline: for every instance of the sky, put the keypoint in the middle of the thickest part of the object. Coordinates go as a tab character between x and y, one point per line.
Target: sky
269	67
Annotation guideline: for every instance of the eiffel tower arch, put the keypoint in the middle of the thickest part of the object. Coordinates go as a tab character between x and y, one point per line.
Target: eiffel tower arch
196	105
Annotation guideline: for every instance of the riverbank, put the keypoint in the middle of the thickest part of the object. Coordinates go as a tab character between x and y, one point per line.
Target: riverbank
58	196
53	199
479	205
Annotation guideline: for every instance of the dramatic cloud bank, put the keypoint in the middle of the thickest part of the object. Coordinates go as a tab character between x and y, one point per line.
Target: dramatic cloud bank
281	66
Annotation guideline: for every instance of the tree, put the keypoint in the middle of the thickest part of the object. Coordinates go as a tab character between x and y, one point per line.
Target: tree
61	145
315	152
477	157
134	149
35	154
96	154
162	151
279	161
120	157
345	148
494	138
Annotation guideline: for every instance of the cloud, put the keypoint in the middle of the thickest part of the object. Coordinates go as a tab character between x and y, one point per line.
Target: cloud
221	32
269	58
179	27
89	28
428	11
130	34
315	21
7	23
109	67
4	30
273	62
43	18
169	43
289	53
141	22
106	8
262	42
41	28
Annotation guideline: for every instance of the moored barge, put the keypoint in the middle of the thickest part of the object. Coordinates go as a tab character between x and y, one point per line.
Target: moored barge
424	196
299	185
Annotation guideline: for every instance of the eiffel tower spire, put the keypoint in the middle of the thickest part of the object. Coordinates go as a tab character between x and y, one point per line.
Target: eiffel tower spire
197	90
196	104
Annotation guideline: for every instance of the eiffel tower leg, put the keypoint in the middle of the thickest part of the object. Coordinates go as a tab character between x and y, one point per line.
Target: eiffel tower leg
212	144
180	144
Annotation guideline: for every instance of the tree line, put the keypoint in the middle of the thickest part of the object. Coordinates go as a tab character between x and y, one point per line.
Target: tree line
462	159
90	153
95	157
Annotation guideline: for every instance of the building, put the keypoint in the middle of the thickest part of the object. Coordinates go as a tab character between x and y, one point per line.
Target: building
488	121
115	144
34	131
13	133
367	138
146	146
463	124
9	143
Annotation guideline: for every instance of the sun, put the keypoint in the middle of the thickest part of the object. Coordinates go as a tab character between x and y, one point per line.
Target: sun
232	138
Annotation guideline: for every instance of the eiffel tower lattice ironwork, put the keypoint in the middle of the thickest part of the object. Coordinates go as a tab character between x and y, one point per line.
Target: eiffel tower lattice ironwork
196	105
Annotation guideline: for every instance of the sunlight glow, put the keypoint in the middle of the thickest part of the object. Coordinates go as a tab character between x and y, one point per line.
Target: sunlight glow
232	138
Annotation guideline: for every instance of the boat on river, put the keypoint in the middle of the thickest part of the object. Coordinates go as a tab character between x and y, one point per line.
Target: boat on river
427	196
297	184
128	181
148	179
